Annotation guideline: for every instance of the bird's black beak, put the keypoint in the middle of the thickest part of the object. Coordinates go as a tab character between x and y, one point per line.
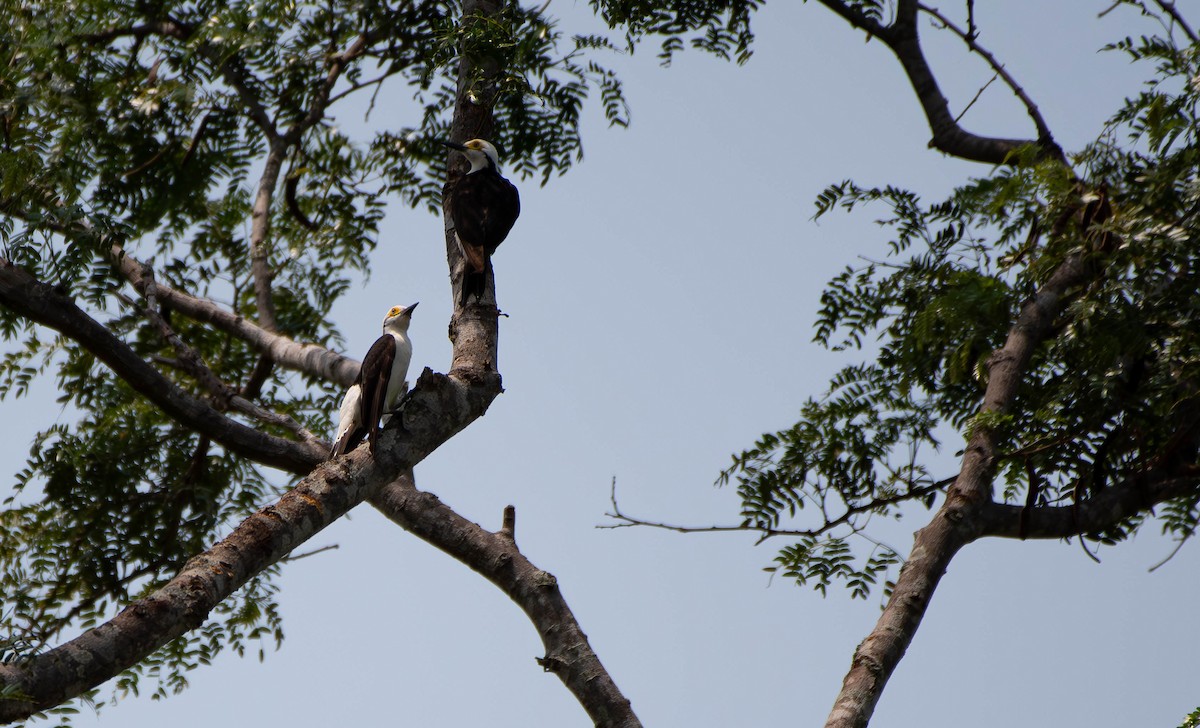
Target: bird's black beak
408	311
452	145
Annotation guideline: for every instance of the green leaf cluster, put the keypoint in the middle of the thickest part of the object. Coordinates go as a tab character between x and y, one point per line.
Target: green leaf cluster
719	27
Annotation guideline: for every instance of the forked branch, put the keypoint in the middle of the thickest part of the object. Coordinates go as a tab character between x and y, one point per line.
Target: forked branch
960	519
311	359
903	38
39	302
970	38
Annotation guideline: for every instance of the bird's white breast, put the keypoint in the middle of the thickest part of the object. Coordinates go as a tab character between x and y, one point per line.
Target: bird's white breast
395	386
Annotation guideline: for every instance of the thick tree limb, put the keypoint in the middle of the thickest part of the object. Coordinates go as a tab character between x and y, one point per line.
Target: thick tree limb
38	302
959	521
184	602
474	332
495	557
473	118
260	227
1108	507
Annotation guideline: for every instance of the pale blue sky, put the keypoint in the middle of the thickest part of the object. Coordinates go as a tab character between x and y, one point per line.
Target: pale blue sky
660	301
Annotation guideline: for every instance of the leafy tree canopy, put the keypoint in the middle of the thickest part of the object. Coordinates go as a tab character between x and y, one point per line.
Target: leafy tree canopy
1108	401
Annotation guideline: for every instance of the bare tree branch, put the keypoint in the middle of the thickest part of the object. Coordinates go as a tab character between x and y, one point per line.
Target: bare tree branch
296	557
437	409
902	37
321	98
1045	138
377	81
1169	8
260	216
226	396
764	533
976	97
260	227
474	329
495	557
474	333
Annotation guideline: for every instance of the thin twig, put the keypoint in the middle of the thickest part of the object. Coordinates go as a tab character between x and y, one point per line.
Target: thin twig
360	86
1171	555
978	94
306	554
627	521
1086	550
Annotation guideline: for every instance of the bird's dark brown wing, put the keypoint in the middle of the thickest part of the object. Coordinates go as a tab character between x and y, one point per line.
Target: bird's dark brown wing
506	213
483	207
376	369
501	211
467	205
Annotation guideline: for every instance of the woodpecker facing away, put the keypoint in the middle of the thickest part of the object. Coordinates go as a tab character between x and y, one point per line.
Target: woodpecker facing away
380	383
483	207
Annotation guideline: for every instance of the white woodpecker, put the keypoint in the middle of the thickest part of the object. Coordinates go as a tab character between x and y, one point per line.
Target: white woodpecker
379	386
483	207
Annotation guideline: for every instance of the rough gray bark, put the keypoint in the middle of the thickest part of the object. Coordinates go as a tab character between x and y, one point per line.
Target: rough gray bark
438	408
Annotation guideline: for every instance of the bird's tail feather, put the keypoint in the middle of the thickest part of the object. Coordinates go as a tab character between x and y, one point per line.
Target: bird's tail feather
346	442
